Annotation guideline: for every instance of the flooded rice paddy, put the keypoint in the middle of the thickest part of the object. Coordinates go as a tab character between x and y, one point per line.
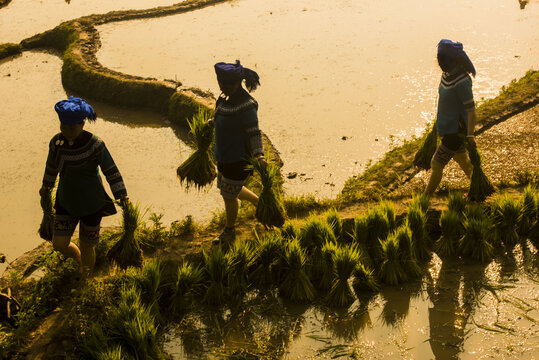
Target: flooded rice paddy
340	80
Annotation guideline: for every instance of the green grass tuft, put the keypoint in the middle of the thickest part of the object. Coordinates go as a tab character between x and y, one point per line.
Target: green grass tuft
416	221
475	243
216	269
267	255
506	213
345	261
335	222
452	231
456	202
529	210
187	288
296	285
391	271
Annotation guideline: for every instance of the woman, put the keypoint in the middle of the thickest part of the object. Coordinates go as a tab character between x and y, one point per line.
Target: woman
237	138
75	154
456	111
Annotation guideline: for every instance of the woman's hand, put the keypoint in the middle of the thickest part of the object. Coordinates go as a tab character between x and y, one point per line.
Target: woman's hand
262	161
124	200
210	122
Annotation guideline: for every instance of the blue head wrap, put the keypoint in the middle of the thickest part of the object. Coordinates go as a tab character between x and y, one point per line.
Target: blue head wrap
452	53
74	110
230	73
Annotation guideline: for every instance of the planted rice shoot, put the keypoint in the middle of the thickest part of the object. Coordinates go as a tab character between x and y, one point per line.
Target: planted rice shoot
480	185
359	238
391	271
268	250
314	234
345	260
529	211
407	259
335	222
216	268
452	231
364	279
187	288
416	221
456	202
269	210
126	251
46	228
428	148
240	257
388	208
296	285
506	213
475	241
377	230
420	201
475	211
327	255
199	168
289	230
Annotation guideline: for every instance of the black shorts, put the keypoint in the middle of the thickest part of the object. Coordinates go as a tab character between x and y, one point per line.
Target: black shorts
235	171
451	144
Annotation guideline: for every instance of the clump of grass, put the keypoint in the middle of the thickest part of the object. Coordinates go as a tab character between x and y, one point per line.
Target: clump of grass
296	285
475	241
428	148
456	202
289	230
480	185
46	228
216	268
335	222
239	258
388	208
186	288
150	282
364	279
475	211
391	271
529	211
506	213
345	260
199	168
420	201
377	230
327	256
451	226
314	234
185	226
416	221
406	254
126	251
269	210
268	250
359	238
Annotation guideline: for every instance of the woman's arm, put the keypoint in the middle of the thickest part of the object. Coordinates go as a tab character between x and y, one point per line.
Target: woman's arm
254	137
111	172
51	170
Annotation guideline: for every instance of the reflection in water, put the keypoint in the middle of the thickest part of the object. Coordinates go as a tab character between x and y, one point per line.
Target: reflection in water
346	324
397	302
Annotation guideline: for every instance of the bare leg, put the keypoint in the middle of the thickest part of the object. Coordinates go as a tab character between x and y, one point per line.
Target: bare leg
437	170
246	194
87	257
231	209
64	245
464	162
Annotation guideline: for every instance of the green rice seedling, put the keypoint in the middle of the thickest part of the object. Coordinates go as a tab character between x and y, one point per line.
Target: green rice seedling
391	271
335	222
216	268
364	279
452	231
359	237
151	284
388	208
416	221
506	213
46	228
456	202
112	353
289	230
133	326
269	210
126	251
475	241
345	260
428	148
240	257
199	168
420	201
327	255
296	285
314	234
529	211
475	211
268	251
187	288
407	258
480	185
377	229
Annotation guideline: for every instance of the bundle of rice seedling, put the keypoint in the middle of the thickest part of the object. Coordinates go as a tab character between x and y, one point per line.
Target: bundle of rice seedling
289	230
420	201
335	222
480	185
216	268
126	251
377	230
46	228
199	168
451	226
529	211
428	148
327	254
296	285
391	271
268	250
416	220
475	241
269	210
364	279
359	238
314	234
388	208
345	260
456	202
240	258
407	258
506	213
475	211
186	288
